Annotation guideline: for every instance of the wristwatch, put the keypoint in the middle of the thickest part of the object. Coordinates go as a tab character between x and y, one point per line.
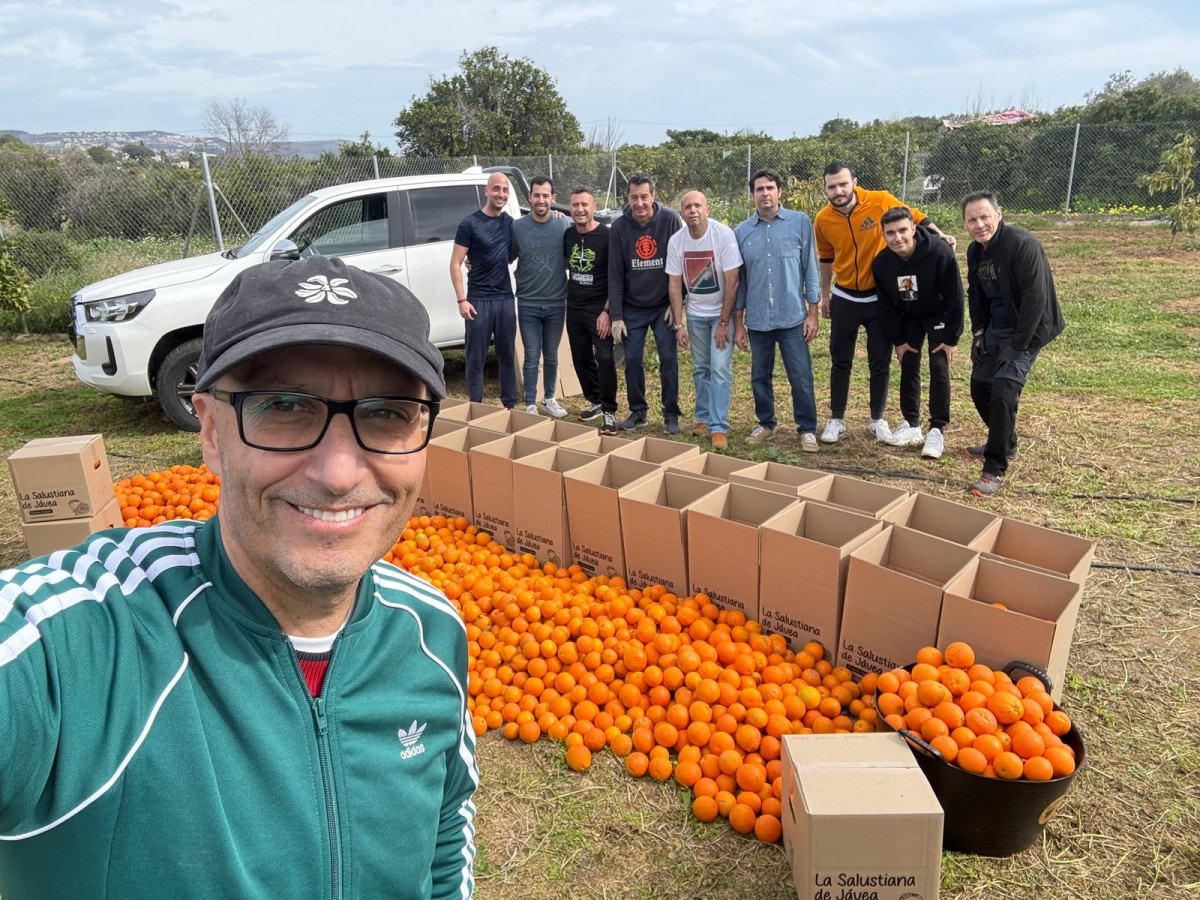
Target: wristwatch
722	321
674	326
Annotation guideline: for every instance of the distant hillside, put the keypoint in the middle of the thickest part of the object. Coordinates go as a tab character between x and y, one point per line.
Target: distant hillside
158	141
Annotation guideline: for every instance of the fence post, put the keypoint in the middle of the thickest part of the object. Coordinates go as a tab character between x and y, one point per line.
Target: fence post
474	159
550	166
749	153
212	202
375	164
904	183
1071	175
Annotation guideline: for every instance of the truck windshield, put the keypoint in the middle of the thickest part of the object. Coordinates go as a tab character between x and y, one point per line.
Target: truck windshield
264	234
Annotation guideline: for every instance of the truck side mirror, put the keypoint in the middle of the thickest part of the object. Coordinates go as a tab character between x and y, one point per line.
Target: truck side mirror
284	249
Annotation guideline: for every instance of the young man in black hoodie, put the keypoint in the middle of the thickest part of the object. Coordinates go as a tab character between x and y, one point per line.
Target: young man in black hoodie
638	298
1014	314
916	277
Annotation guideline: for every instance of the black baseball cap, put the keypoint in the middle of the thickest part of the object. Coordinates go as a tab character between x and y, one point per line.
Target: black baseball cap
319	300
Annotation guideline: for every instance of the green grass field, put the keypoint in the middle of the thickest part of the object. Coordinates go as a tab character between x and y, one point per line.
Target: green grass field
1108	450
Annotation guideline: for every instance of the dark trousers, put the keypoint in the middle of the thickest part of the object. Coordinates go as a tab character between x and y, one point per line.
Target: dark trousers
493	319
939	386
592	357
998	375
640	320
846	317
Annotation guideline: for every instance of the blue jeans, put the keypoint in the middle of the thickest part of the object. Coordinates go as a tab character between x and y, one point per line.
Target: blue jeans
712	372
541	327
639	320
798	365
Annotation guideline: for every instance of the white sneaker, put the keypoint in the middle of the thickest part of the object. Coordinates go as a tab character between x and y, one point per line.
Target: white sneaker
834	429
554	408
934	444
906	435
532	408
880	430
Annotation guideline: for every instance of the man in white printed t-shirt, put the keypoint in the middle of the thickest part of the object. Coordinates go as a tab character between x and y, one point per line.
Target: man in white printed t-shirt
705	257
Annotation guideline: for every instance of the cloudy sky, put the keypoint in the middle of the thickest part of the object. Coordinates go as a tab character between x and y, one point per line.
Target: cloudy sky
331	70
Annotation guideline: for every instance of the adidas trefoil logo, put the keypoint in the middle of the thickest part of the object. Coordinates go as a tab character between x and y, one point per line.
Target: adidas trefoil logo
411	740
319	288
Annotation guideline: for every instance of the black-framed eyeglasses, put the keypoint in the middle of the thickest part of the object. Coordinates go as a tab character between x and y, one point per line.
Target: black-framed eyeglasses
289	420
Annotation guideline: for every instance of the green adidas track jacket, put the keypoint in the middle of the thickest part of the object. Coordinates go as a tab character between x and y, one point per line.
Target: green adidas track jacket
160	742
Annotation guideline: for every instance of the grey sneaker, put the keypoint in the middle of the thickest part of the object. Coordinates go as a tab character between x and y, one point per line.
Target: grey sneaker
979	450
987	485
880	430
834	429
670	426
934	444
609	426
554	408
760	435
590	412
532	408
808	442
634	421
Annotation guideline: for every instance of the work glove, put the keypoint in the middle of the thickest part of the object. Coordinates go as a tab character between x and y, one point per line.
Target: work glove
619	331
667	317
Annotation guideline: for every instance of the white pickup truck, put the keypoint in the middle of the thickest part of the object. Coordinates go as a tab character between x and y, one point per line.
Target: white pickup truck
139	334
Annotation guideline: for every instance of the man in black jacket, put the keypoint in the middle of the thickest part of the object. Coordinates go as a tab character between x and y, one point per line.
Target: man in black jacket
1014	313
916	277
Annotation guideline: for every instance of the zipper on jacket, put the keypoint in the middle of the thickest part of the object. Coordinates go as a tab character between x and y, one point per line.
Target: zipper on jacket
854	241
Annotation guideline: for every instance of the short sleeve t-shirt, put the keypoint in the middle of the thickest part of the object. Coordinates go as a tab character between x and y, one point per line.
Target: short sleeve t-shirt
587	267
541	275
488	240
703	263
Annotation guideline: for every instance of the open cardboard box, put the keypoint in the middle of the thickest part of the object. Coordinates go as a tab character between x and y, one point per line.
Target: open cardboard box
859	819
61	478
508	421
492	483
854	493
594	511
893	601
654	527
558	431
468	410
716	467
540	503
775	476
1042	549
601	444
941	518
660	451
805	551
423	505
448	470
1036	627
722	540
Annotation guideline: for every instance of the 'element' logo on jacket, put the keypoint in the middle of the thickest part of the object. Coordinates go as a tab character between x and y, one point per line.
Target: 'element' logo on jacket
646	247
411	740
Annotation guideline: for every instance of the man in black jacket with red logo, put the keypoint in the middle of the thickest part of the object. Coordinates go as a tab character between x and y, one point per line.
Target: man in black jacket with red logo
917	280
1014	314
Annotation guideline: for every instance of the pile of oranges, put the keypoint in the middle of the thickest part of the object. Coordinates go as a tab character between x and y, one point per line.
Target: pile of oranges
977	718
180	492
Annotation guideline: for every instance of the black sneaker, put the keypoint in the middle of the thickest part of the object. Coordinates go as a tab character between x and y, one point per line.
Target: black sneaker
610	423
670	426
588	413
987	485
634	421
978	451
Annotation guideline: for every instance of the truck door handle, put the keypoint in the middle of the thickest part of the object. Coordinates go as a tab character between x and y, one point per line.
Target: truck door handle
386	270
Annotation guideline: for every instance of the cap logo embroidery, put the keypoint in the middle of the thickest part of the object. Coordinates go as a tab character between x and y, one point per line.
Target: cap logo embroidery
319	288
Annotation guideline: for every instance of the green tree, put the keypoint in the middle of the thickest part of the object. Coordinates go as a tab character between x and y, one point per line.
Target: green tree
363	148
833	126
138	152
100	155
1174	174
494	105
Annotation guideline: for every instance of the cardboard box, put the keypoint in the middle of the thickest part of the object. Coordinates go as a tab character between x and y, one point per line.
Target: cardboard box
46	537
859	819
941	518
508	421
1034	547
654	527
594	511
448	470
657	450
450	403
893	601
855	494
805	552
423	505
492	483
1036	627
774	476
722	540
601	444
468	411
558	431
61	478
716	467
540	503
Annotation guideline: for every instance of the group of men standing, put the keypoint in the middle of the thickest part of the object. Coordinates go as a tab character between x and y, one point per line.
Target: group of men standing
865	261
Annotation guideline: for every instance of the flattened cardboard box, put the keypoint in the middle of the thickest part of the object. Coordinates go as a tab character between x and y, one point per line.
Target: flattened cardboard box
942	518
774	476
657	450
716	467
1042	549
540	503
654	528
448	469
468	411
805	552
722	541
61	477
1036	627
556	431
46	537
492	483
423	505
893	601
854	494
861	819
594	511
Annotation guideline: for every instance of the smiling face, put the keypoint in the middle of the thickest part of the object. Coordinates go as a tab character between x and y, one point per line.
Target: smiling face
981	220
302	527
641	201
540	198
583	210
496	193
900	237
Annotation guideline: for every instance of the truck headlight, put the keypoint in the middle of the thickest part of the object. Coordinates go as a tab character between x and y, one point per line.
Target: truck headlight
117	309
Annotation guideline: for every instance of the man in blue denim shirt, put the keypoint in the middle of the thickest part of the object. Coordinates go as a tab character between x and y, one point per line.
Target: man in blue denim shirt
778	295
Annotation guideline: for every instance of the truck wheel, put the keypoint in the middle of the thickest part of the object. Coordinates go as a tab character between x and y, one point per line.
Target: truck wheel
177	382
